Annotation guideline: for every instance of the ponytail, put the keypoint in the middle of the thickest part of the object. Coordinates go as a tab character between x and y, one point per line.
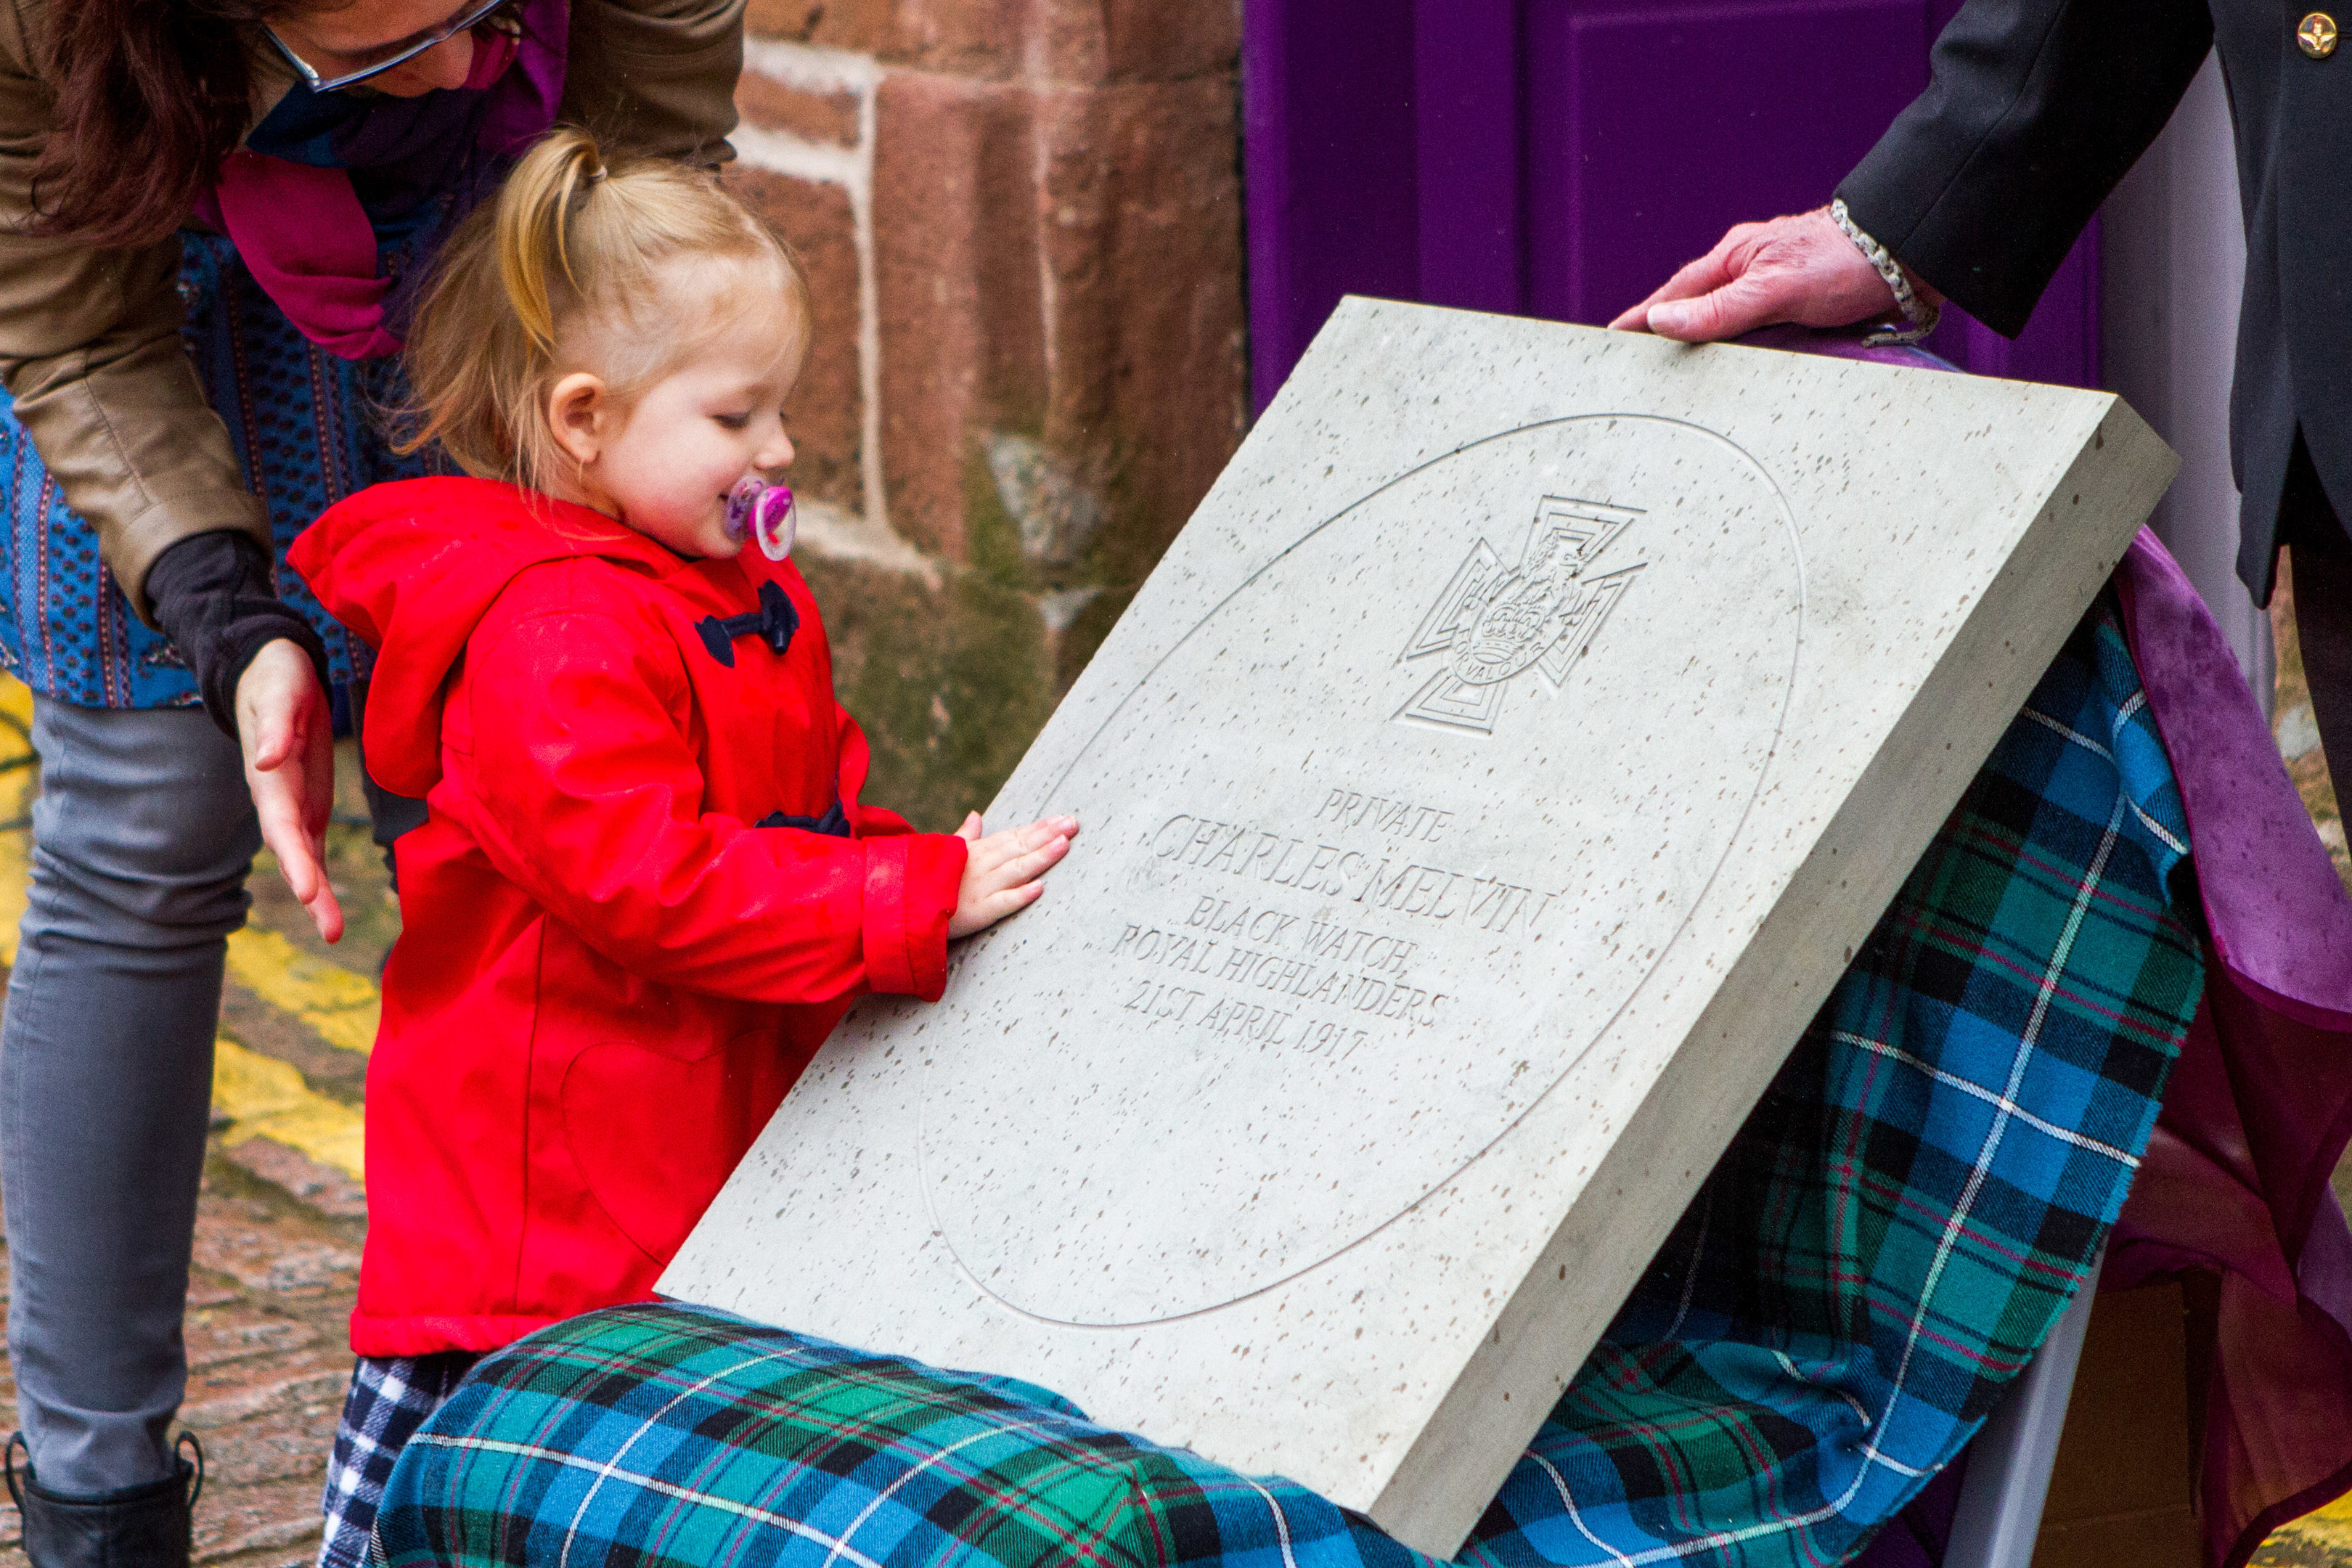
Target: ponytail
534	216
151	95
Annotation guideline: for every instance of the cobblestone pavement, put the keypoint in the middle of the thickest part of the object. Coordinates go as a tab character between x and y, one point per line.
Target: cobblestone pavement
280	1226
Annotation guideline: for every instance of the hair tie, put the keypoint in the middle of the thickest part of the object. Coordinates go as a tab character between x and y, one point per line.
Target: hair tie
596	175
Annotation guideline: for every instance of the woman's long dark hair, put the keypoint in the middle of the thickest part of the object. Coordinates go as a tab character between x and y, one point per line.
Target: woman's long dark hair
150	96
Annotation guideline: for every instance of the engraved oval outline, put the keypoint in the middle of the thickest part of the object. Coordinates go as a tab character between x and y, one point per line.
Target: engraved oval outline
1779	729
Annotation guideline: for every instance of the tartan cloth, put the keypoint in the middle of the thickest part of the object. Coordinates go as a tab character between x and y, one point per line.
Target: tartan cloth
1887	1241
663	1433
389	1399
1928	1181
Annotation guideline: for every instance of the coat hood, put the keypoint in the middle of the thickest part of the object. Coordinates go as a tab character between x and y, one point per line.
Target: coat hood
413	566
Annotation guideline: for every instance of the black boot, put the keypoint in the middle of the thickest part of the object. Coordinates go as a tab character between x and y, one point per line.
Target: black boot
144	1526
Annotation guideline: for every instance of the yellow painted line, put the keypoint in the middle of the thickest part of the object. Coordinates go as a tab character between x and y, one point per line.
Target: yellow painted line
344	1007
16	790
264	1097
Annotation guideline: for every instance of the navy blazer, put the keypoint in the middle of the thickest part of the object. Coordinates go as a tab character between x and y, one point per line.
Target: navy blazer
2036	108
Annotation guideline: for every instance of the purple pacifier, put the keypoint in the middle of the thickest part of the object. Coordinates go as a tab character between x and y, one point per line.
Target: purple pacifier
765	513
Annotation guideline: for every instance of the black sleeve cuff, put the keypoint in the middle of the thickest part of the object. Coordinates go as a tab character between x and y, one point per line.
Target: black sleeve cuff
214	597
2035	109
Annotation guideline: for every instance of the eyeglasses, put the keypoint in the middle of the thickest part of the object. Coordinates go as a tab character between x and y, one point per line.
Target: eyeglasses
472	14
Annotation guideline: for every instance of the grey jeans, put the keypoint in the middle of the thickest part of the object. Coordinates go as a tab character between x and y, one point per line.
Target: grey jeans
141	840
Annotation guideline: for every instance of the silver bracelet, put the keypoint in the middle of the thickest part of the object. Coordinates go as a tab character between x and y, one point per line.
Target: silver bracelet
1922	316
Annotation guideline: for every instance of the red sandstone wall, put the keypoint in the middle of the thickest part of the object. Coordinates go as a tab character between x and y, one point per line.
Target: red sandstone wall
1022	222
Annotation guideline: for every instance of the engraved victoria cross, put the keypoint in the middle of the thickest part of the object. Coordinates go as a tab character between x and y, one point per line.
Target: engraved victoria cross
1497	622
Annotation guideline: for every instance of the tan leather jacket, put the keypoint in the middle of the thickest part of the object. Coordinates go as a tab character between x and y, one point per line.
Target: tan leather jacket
89	340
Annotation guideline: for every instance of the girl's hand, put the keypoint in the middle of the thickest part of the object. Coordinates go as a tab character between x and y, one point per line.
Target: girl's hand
287	731
1004	872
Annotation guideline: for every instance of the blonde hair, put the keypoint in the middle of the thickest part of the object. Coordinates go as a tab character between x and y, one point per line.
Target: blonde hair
574	257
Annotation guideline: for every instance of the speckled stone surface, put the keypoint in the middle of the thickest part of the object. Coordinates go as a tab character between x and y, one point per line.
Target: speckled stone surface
1478	800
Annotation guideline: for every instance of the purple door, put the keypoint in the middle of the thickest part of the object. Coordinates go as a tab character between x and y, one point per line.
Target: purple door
1561	158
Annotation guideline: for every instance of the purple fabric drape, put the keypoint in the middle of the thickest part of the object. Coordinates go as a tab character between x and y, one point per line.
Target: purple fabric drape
2233	1194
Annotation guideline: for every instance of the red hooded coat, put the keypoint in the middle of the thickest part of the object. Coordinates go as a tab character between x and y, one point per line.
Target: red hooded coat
609	973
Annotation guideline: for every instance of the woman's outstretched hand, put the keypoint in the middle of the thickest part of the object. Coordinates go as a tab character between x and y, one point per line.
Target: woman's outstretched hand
287	732
1005	872
1800	268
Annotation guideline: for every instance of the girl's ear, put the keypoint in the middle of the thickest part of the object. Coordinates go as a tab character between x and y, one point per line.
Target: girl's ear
578	415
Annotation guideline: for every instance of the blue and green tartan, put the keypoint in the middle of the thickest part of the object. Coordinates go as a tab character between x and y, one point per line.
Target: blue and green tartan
1887	1242
1928	1182
675	1435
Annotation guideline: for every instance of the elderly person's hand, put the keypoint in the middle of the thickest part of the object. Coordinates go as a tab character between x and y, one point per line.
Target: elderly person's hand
287	729
1800	270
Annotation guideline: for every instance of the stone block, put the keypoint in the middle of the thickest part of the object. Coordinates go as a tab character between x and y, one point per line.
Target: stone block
948	682
955	240
1058	514
1169	40
1073	42
1143	238
838	24
1062	266
1078	629
826	415
829	119
1479	798
978	38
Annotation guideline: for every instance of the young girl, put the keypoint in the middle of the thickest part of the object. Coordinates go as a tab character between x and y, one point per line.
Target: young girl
646	888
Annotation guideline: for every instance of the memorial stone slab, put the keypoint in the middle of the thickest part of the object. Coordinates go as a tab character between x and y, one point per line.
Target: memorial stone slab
1479	799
